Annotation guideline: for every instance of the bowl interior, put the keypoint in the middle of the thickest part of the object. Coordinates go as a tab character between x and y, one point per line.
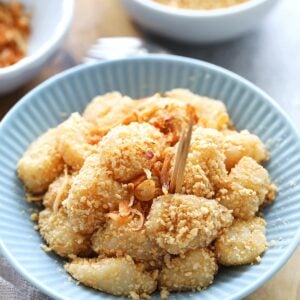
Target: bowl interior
201	12
47	105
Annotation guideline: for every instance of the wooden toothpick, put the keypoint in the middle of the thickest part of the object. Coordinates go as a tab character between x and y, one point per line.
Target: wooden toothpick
180	158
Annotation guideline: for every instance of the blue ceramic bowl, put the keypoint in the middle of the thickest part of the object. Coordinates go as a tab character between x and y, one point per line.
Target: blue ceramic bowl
249	107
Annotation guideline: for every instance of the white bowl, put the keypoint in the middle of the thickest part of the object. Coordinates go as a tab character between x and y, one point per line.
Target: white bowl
199	26
49	24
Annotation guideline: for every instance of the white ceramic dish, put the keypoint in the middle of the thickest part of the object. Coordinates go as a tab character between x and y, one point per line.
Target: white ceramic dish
199	26
50	22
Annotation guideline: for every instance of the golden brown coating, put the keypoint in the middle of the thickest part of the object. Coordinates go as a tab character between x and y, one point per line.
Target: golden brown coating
41	163
170	116
117	276
108	111
247	188
59	188
205	169
193	270
123	239
106	178
127	150
179	223
93	193
239	144
211	113
59	235
242	243
76	139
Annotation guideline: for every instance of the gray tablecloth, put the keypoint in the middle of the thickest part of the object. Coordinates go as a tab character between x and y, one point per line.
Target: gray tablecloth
14	287
269	57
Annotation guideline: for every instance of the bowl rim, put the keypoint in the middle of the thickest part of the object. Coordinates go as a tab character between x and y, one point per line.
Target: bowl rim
193	13
63	25
291	247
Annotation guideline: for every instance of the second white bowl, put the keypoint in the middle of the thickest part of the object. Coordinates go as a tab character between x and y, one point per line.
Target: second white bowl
49	24
199	26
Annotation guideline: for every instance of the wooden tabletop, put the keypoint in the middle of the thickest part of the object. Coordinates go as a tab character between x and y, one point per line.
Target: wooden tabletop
249	56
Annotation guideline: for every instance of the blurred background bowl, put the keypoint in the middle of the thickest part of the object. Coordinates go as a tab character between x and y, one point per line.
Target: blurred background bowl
49	24
199	26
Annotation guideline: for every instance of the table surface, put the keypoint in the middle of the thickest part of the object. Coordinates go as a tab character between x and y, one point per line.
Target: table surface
269	57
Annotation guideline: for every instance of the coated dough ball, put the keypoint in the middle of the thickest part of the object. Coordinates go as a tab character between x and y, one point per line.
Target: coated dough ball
129	149
116	239
41	163
211	113
117	276
59	235
242	243
92	195
179	223
248	187
76	140
240	144
195	270
108	111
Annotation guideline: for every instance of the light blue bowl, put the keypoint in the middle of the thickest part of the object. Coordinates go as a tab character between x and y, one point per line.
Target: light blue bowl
70	91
